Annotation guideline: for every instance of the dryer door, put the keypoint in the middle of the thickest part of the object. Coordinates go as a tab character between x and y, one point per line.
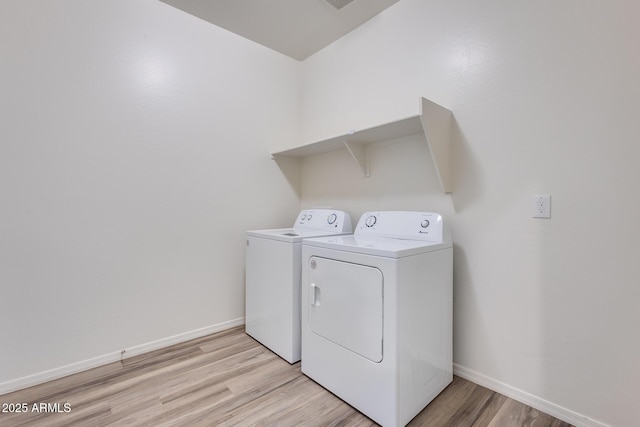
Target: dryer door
346	304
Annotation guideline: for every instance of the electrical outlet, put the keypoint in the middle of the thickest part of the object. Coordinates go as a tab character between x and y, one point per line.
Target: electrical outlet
541	206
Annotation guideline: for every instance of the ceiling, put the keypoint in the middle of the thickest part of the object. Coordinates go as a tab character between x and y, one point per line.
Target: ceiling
296	28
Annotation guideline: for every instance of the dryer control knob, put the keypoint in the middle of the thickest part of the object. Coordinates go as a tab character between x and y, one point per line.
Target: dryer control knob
332	218
371	221
424	223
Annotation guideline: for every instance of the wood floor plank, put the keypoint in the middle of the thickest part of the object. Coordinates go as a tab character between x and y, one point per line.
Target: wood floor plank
268	407
516	414
489	410
277	370
469	411
229	379
441	409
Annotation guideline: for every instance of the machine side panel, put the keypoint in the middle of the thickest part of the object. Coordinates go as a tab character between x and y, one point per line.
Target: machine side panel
424	321
272	314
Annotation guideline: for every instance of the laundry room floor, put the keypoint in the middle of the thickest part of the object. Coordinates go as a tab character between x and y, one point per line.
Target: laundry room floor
229	379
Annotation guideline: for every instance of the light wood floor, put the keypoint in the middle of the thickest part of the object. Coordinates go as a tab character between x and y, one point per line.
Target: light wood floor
228	379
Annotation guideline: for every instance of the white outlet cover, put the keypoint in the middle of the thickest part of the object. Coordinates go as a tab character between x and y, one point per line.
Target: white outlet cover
541	206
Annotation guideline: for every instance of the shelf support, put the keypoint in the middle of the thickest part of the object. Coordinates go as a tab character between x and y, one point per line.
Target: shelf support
436	123
359	154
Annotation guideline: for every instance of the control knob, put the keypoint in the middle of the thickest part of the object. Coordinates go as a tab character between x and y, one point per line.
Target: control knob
424	223
332	218
370	221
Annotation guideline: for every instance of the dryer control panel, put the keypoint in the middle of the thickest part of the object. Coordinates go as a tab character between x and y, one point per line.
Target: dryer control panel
324	219
427	226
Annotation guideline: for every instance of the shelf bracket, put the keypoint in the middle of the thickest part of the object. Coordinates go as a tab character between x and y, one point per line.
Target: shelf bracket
359	154
436	124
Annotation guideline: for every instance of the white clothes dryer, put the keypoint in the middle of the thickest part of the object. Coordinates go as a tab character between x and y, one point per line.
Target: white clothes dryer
272	284
377	314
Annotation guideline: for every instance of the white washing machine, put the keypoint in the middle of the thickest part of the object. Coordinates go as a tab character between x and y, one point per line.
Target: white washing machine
272	286
377	314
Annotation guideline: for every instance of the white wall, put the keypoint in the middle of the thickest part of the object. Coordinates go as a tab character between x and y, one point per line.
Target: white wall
134	154
545	96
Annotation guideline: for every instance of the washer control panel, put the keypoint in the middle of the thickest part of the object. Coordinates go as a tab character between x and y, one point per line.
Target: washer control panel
402	225
324	219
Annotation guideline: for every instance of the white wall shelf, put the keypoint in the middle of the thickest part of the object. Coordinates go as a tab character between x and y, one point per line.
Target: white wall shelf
434	122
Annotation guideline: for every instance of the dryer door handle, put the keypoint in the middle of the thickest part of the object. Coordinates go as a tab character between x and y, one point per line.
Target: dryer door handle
315	295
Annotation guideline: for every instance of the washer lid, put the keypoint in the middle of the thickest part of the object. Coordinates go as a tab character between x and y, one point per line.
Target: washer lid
379	246
290	235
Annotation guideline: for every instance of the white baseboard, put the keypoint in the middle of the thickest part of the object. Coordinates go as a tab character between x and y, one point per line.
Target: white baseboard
74	368
545	406
176	339
54	374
